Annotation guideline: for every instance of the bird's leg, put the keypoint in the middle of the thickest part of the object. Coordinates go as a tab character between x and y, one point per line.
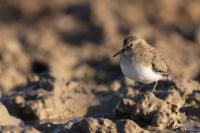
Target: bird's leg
138	86
140	89
154	87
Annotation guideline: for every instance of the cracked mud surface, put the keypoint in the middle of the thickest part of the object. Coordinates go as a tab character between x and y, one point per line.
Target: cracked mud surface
58	74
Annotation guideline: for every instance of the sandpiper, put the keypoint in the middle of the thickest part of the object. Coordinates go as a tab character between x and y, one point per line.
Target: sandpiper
142	62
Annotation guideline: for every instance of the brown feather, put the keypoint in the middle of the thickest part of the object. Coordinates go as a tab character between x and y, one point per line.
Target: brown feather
148	55
159	64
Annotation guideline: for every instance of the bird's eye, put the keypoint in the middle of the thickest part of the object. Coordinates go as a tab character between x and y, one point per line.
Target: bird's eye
131	44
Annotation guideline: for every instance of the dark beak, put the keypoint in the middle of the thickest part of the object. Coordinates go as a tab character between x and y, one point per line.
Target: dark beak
119	52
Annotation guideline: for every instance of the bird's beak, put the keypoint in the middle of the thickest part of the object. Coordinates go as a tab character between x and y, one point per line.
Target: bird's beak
119	52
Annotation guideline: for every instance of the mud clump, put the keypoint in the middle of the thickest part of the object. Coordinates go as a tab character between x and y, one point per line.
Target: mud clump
192	106
148	109
10	123
137	111
100	125
7	119
12	74
187	86
13	129
56	100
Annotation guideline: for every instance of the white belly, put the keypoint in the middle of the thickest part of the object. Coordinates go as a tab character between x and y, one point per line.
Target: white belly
139	73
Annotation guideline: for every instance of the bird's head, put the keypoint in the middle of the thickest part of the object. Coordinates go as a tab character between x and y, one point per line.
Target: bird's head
129	44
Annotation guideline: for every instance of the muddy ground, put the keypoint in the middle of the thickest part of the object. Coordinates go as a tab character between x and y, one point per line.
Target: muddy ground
58	74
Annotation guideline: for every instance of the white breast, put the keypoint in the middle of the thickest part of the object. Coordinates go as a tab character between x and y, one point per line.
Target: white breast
138	72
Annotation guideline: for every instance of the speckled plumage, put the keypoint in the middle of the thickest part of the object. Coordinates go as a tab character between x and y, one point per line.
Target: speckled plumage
147	55
142	62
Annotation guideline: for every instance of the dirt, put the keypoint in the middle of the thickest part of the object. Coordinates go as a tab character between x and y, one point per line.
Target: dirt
58	74
7	119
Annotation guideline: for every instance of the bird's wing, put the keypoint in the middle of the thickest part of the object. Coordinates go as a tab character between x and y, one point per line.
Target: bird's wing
149	55
158	63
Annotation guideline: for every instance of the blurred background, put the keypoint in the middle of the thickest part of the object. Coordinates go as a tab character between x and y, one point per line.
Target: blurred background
75	39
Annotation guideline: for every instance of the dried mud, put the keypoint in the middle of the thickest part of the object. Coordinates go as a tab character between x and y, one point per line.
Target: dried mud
58	74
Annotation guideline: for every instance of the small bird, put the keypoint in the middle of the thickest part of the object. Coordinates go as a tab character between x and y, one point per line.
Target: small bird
142	62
